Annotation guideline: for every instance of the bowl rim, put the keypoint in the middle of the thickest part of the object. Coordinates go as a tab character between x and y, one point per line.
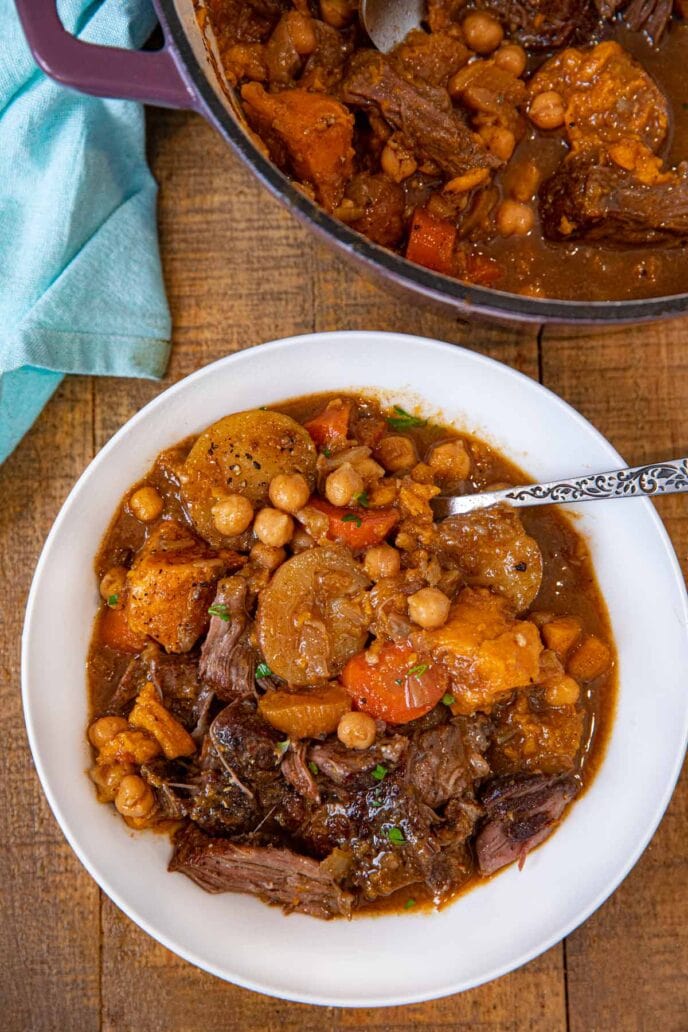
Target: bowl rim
621	870
483	301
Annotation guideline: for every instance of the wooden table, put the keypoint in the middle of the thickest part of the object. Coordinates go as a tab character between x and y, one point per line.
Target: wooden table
239	271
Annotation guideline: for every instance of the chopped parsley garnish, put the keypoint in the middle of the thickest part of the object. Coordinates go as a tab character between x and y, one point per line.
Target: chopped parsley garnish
376	801
380	772
327	452
112	600
263	670
313	767
409	903
362	499
398	680
281	748
403	420
351	517
396	836
448	699
418	670
219	609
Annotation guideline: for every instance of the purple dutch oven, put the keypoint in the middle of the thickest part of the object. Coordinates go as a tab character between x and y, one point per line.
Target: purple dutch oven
186	74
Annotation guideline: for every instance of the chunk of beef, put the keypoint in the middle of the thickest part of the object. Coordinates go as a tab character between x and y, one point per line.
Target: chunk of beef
228	661
649	16
430	127
522	810
244	743
394	845
280	876
315	131
430	57
493	551
339	763
441	763
589	199
324	69
171	585
378	203
175	677
437	765
174	790
296	771
546	24
243	21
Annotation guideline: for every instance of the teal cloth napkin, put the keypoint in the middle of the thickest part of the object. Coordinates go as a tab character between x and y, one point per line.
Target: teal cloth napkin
81	287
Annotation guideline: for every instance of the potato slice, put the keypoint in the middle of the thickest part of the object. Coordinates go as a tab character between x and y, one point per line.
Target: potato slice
240	454
311	617
305	714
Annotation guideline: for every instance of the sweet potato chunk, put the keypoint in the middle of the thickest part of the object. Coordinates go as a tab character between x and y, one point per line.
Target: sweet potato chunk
487	650
150	714
129	747
609	99
170	587
316	130
591	659
561	634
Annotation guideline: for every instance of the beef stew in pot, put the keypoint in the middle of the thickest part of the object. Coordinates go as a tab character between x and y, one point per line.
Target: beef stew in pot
537	148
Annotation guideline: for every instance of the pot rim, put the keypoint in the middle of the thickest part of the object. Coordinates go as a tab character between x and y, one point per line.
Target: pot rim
469	298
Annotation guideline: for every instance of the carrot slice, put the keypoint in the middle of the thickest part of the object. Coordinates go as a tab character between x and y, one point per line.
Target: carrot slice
400	686
356	528
332	424
431	242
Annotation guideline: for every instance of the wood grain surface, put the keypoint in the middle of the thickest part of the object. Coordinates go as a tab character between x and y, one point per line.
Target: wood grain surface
239	271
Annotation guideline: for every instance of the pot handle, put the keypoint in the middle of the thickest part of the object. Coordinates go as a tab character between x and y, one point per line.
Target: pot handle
152	77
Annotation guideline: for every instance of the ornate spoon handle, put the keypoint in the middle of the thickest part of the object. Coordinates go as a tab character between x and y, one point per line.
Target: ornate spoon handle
669	477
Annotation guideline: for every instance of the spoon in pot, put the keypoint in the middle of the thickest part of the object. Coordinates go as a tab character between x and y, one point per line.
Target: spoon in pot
388	22
660	478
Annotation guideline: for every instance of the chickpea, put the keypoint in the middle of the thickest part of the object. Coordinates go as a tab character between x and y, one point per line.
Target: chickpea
146	504
104	729
301	541
302	33
381	561
273	527
289	492
515	218
267	556
397	453
482	32
337	13
397	162
342	486
450	459
369	469
356	730
547	110
511	58
499	141
562	691
113	584
107	778
429	608
232	515
526	181
134	797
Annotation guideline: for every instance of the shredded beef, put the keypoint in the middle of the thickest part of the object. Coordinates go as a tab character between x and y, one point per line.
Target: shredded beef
277	876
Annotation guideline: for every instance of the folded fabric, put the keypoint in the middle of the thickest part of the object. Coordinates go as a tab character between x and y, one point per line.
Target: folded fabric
81	288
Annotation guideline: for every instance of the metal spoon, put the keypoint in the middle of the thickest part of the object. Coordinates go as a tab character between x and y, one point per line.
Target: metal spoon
388	22
660	478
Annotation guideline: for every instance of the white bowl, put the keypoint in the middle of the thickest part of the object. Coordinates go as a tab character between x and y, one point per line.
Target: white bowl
496	927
